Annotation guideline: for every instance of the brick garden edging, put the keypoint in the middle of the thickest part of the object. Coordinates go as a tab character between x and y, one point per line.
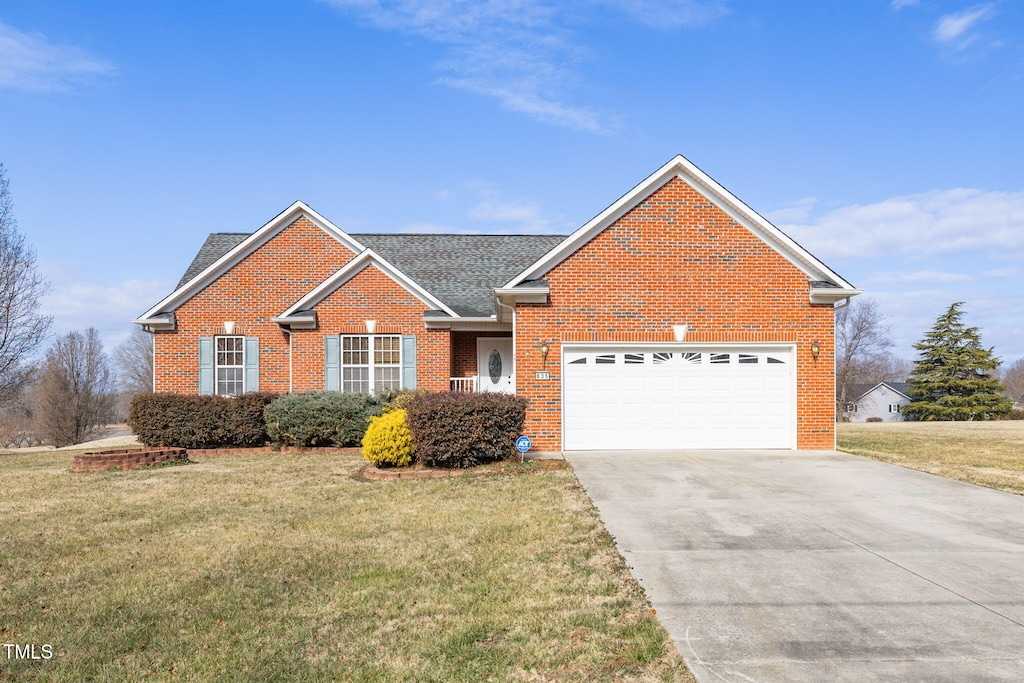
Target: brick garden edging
133	458
125	458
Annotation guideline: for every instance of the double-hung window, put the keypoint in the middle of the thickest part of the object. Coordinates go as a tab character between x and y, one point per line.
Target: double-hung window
371	363
229	368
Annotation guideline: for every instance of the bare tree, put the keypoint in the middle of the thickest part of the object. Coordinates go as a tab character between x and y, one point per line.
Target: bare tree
881	367
1013	380
75	392
134	361
861	333
22	327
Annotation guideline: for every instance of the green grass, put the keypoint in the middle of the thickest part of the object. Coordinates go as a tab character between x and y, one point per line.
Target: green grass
985	453
286	568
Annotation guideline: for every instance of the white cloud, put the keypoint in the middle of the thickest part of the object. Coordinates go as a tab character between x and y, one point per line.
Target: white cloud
922	277
77	302
670	14
918	226
28	61
522	216
900	4
956	30
999	273
792	212
519	52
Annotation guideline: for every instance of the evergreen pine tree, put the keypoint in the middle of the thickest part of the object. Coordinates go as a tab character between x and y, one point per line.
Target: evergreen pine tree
951	380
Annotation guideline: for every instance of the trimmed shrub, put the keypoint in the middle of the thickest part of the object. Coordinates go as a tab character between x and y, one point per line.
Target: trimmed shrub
403	398
200	421
463	430
387	442
874	419
322	418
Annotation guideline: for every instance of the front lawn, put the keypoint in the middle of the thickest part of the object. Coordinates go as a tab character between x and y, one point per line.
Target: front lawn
284	567
986	453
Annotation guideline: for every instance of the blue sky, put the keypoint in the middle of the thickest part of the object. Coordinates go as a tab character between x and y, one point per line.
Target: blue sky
885	136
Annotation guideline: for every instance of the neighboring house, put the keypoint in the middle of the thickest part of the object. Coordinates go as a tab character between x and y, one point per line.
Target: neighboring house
676	318
884	400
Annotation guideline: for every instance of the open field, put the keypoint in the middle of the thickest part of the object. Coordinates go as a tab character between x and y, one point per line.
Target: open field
986	453
285	567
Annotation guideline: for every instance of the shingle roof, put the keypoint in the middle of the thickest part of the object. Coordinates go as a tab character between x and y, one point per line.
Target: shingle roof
857	391
460	270
215	246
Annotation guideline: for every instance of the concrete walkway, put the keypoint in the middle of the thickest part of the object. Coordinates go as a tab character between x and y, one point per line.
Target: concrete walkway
818	566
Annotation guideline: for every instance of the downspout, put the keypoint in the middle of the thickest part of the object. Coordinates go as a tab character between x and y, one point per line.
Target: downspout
288	331
152	347
515	369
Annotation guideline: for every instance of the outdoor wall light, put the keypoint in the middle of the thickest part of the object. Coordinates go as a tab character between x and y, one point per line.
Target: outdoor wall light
544	349
815	349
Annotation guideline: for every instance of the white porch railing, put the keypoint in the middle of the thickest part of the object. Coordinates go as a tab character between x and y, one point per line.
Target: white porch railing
467	384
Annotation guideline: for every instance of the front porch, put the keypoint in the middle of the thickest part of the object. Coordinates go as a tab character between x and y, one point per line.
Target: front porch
482	361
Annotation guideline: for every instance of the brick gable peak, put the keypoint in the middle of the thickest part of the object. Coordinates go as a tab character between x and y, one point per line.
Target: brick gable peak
301	314
824	283
161	316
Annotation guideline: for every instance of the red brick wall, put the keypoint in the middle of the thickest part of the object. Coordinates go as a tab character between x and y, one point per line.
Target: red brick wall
676	258
259	288
371	295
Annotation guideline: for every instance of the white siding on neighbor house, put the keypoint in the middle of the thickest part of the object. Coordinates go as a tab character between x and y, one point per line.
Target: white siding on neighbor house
877	402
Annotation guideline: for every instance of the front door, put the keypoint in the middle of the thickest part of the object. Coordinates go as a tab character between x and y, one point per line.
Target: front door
494	365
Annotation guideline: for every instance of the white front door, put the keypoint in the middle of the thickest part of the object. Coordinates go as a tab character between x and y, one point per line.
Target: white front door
494	364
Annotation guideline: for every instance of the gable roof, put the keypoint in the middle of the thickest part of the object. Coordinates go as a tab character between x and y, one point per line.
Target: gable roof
227	260
305	305
859	391
462	273
461	270
825	280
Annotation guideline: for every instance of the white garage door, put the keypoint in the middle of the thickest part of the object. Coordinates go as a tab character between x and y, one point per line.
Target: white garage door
638	397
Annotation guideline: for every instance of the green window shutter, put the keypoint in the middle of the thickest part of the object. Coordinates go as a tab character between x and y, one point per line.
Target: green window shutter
408	362
252	363
206	365
332	364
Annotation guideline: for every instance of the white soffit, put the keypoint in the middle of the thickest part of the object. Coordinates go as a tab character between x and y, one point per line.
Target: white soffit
685	170
246	247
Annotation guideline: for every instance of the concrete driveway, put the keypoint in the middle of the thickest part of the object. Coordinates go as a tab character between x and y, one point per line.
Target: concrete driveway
818	566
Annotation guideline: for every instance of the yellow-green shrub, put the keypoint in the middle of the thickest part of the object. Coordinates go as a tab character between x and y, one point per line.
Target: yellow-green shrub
388	442
403	398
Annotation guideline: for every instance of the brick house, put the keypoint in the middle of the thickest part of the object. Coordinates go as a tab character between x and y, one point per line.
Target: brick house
676	318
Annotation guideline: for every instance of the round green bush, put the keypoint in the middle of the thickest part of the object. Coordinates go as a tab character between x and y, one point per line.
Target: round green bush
388	442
